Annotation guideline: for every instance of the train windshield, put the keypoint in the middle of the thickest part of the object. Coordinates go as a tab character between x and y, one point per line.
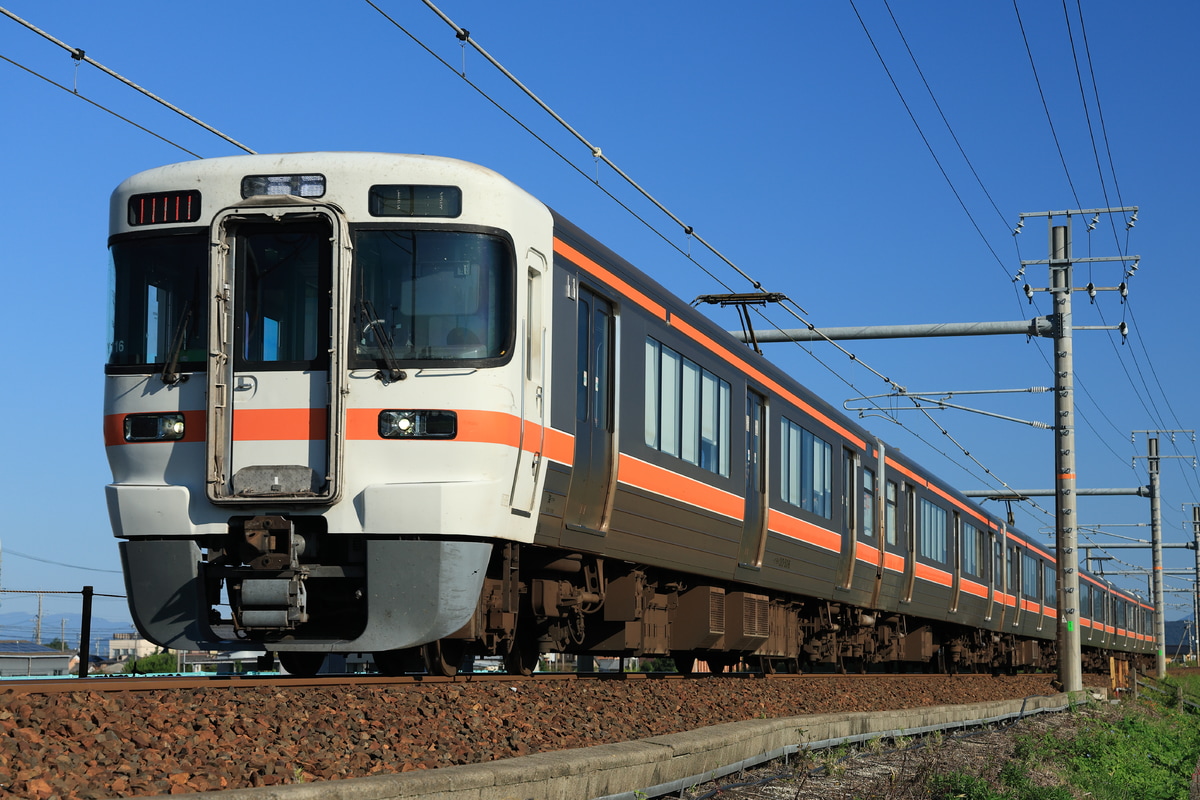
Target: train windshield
159	302
422	296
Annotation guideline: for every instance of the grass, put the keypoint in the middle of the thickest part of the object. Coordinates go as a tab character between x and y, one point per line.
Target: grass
1143	751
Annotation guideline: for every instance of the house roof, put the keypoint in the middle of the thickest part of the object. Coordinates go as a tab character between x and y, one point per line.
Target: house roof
14	647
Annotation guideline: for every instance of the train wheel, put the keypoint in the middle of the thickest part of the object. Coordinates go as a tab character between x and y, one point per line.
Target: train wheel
301	664
398	662
684	663
522	656
443	656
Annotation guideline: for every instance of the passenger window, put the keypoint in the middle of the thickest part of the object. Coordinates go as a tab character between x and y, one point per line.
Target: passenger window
807	470
932	541
869	523
687	409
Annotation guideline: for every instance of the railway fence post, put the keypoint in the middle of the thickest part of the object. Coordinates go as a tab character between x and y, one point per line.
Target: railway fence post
85	633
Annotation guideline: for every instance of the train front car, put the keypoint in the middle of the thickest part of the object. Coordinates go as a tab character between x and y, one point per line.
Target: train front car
324	398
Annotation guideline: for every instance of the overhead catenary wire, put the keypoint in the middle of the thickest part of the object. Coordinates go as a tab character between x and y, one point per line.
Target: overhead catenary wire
595	152
921	132
1046	106
101	107
1103	128
9	551
79	55
463	36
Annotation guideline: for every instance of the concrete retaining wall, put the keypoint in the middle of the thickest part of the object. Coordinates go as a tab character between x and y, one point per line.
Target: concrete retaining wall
656	765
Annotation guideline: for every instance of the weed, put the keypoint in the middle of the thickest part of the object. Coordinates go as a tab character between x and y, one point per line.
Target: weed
960	786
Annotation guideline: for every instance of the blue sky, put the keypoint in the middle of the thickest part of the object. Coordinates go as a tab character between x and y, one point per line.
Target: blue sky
773	129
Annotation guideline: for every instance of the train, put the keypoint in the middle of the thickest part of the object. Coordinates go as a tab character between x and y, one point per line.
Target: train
394	404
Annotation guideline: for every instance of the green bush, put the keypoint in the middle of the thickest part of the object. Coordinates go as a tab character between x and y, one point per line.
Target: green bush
959	786
159	662
1141	754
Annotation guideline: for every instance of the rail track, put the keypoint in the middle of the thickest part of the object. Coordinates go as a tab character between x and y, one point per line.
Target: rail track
136	736
163	682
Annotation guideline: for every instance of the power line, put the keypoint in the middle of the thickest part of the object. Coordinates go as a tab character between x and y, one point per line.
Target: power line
11	552
1088	115
921	132
75	93
1046	106
1100	113
79	55
464	37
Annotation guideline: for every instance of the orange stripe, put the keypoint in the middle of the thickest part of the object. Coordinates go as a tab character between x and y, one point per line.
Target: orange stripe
559	446
867	553
362	423
279	424
621	285
870	554
651	478
806	532
762	378
932	574
973	511
977	589
641	299
487	427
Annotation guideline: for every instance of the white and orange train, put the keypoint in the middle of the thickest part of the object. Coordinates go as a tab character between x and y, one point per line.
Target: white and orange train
394	404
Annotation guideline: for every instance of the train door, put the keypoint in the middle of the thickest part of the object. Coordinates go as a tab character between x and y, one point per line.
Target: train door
908	536
273	419
1013	573
881	507
995	571
849	518
754	523
532	398
955	561
590	492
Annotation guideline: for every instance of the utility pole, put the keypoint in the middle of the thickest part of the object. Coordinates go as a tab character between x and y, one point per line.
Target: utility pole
1060	263
1196	594
1160	622
1059	326
1070	658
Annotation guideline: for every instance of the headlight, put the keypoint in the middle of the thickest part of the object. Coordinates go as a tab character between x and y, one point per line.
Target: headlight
418	424
298	185
153	427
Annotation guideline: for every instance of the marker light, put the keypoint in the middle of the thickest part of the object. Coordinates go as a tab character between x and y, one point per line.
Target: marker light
153	427
297	185
164	207
418	424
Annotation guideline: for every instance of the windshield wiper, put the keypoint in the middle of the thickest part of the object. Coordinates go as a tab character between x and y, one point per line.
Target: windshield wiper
384	338
170	375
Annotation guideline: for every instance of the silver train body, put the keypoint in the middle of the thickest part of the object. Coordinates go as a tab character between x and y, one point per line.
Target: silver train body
394	404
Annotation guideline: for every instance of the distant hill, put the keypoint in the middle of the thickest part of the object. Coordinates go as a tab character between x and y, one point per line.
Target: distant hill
1175	633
